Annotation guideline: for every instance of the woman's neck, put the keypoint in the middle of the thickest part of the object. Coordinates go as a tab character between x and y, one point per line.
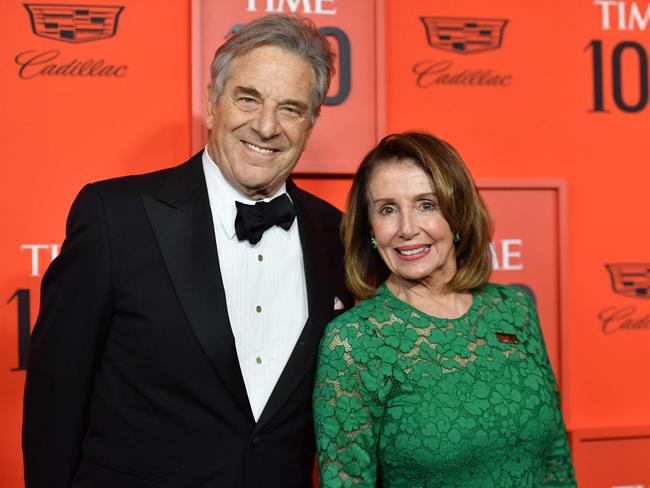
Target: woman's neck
433	297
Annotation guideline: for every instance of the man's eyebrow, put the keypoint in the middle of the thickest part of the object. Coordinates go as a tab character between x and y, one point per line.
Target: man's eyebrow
253	92
296	103
248	90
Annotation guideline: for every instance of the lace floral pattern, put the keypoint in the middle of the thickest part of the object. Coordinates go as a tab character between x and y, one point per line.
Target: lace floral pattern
419	401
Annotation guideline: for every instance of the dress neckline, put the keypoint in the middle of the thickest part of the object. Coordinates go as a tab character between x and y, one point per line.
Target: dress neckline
401	304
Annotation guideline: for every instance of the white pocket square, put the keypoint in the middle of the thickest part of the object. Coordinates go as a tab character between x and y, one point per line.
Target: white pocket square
338	304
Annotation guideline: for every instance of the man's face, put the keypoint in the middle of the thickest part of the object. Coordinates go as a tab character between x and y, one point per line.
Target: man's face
260	123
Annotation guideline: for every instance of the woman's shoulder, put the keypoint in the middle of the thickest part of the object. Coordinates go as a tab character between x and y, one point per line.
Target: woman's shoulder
497	293
360	312
364	318
510	306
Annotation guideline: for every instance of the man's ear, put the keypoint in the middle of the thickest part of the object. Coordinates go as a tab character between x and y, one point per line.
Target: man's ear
209	113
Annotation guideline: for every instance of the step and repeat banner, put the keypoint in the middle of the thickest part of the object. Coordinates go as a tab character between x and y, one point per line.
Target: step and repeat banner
89	91
546	102
555	90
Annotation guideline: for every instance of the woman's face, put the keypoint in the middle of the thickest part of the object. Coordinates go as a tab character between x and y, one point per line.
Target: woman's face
413	238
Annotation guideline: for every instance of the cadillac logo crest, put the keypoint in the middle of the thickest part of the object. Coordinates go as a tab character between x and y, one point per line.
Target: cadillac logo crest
74	23
464	35
630	279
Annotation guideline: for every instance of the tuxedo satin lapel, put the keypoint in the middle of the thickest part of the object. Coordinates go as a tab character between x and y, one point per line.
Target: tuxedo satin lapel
182	223
320	303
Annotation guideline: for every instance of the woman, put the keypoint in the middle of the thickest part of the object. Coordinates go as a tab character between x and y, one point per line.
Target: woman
437	378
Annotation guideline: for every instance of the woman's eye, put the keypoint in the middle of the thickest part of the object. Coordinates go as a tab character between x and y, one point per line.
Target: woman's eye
426	205
386	210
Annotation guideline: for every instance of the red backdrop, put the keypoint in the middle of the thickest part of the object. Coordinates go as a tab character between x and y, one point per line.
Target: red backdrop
548	105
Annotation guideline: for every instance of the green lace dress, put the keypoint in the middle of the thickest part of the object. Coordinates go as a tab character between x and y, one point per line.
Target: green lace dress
417	401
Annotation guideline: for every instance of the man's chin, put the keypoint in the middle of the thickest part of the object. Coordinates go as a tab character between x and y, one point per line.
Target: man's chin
260	181
258	189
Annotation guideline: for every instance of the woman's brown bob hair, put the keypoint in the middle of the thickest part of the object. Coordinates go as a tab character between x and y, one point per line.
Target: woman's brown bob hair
459	202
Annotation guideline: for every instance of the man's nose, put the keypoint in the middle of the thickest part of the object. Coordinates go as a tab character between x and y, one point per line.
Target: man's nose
266	122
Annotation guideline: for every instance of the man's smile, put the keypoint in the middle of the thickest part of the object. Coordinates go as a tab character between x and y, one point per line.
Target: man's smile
259	149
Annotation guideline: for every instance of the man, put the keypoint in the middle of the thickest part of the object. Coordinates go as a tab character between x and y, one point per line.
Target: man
178	329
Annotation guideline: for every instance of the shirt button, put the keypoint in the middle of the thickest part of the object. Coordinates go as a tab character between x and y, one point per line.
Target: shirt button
258	309
260	257
258	360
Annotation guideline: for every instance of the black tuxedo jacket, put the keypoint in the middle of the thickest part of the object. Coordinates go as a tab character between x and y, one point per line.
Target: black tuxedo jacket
133	378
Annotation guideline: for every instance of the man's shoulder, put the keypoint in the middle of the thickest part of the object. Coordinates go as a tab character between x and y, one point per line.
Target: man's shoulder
138	183
313	204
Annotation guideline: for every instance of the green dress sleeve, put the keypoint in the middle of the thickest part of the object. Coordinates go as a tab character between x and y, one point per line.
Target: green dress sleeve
347	409
559	466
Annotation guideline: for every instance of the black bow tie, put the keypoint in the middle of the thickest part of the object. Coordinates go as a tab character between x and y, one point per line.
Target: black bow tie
253	220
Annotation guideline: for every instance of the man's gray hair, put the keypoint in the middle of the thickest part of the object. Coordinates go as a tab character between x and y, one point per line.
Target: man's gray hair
293	34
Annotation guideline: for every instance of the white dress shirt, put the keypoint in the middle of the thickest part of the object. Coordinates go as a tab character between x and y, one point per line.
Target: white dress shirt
265	287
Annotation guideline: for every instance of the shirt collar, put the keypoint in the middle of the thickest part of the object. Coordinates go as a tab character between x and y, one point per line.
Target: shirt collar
223	195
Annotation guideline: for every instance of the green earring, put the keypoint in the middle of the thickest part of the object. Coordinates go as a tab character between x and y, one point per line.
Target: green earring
373	242
456	237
